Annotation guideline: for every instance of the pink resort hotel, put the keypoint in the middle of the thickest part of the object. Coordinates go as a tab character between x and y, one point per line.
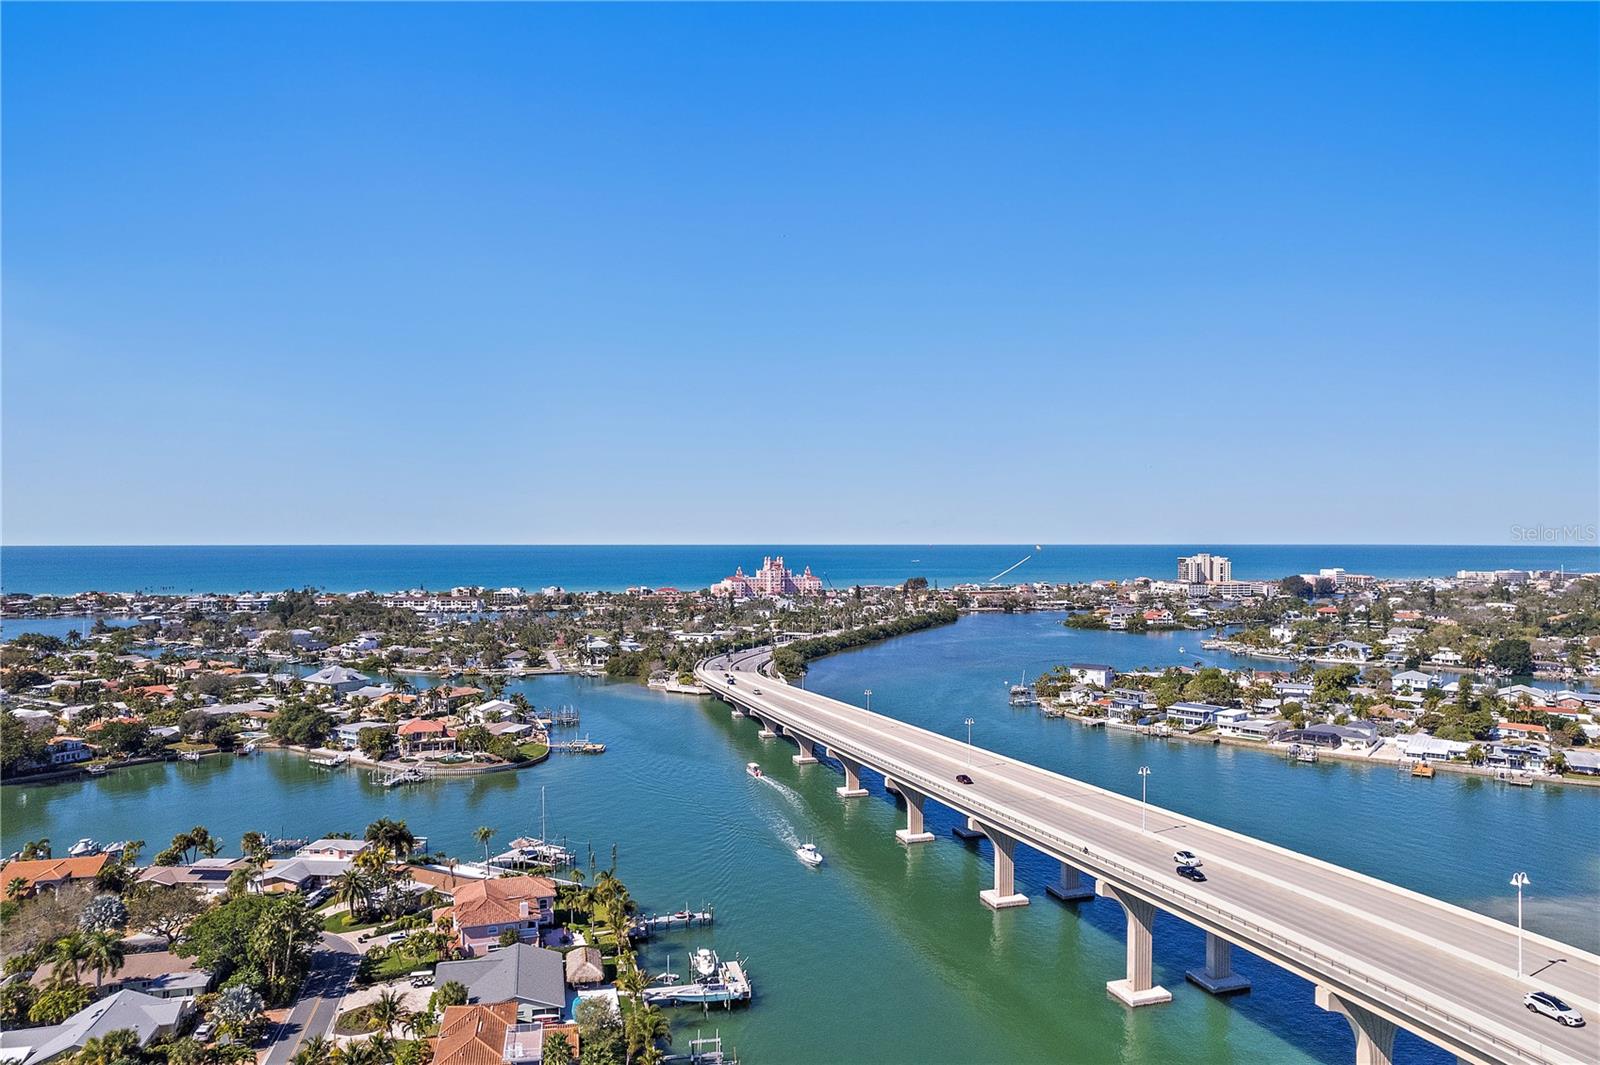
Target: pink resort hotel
770	580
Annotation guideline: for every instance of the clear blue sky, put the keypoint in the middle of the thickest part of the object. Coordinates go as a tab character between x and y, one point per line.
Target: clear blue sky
507	274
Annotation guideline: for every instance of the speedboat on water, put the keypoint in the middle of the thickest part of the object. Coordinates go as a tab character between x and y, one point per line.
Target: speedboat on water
808	853
754	769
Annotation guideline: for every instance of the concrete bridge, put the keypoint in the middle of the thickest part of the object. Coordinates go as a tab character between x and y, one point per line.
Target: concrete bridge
1380	955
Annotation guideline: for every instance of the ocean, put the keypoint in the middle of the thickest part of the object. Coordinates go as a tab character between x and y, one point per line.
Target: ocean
387	568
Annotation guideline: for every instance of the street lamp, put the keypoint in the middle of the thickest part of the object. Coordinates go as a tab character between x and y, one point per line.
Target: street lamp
1144	784
969	723
869	700
1519	881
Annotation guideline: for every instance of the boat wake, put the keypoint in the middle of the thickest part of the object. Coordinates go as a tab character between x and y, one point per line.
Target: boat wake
789	794
783	830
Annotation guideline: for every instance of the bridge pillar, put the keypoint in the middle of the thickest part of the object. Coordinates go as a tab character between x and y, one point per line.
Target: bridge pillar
769	730
1218	976
852	777
1071	887
808	749
1139	987
737	711
913	832
1003	896
1374	1035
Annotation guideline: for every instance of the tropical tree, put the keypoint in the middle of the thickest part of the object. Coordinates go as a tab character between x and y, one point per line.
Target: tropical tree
114	1048
16	887
60	999
388	1010
393	835
71	951
449	993
352	890
35	848
103	953
103	913
647	1027
557	1051
483	834
237	1011
314	1051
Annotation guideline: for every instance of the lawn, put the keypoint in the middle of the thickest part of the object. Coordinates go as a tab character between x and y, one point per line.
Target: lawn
344	921
402	963
534	750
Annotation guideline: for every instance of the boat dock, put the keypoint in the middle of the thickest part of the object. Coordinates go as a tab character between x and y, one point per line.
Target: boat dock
730	985
583	746
642	927
393	778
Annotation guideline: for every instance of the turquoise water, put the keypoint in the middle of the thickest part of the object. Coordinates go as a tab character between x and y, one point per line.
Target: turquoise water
173	570
885	953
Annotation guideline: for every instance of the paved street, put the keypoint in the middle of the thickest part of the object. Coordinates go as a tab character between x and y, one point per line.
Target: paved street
1430	962
333	967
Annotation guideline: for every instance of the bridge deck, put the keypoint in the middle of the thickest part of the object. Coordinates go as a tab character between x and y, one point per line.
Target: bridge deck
1438	970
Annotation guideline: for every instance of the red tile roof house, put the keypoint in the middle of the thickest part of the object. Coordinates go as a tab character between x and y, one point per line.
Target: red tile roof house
420	736
483	909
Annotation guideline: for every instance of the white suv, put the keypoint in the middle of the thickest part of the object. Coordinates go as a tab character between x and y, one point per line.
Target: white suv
1546	1003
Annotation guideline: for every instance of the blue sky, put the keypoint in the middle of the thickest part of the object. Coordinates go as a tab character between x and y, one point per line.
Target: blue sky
507	274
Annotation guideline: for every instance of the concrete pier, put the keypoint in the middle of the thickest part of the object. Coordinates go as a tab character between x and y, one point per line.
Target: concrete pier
1218	976
1374	1035
769	731
1004	895
914	832
808	749
852	777
1138	988
1071	887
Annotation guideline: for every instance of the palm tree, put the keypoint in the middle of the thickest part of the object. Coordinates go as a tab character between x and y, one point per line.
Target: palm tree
102	952
483	834
70	953
37	848
313	1051
388	1010
15	887
351	889
419	1023
210	847
647	1025
119	1045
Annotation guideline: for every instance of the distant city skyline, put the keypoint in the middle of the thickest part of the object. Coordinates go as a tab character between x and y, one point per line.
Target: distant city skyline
506	274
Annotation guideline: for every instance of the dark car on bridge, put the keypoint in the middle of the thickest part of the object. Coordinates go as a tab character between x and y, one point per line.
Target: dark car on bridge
962	778
1189	872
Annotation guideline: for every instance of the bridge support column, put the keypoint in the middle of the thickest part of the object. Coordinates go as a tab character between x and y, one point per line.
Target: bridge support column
1003	896
1218	976
1071	886
1139	987
913	832
852	777
1374	1035
808	750
736	711
769	731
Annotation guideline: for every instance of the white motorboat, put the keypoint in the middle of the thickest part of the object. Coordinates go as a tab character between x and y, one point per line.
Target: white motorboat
754	769
808	853
705	962
83	847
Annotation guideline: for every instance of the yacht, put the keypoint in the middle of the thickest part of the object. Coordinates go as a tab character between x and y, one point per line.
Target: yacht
705	962
753	768
808	853
83	847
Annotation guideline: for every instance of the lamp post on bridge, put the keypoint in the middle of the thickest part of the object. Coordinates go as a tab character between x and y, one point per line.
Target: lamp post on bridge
969	723
869	700
1519	880
1144	784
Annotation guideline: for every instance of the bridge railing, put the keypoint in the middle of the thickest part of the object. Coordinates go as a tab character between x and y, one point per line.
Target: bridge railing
1166	890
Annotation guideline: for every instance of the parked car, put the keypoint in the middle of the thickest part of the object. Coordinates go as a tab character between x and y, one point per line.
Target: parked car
1546	1003
400	936
1189	872
422	978
962	778
1189	858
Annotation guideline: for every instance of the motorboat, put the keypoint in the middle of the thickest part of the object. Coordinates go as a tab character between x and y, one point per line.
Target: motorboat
754	769
83	848
705	962
99	769
808	853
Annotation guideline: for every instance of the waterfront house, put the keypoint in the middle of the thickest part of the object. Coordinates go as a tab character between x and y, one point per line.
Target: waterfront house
148	1017
491	1034
302	873
1421	747
493	710
483	909
348	735
1523	694
341	680
1413	680
425	736
1584	762
1359	735
68	750
1192	716
532	977
1092	673
53	872
333	847
1528	757
1519	732
1263	729
1351	649
1446	656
